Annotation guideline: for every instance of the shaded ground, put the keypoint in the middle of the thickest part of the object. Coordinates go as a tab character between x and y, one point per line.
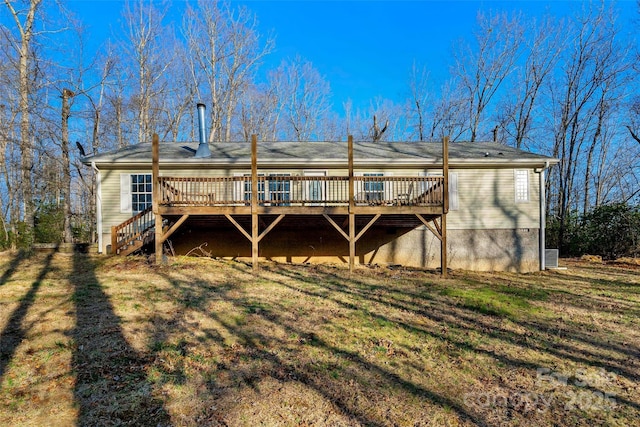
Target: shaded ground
98	341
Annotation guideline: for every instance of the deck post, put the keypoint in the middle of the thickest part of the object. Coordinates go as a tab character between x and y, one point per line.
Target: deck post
114	240
445	208
352	217
254	202
155	201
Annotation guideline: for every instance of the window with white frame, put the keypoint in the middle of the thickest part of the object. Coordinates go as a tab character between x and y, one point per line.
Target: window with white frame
136	192
246	192
273	188
279	188
522	185
141	191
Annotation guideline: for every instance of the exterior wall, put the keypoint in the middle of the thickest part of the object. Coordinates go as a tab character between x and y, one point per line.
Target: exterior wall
487	231
486	201
482	250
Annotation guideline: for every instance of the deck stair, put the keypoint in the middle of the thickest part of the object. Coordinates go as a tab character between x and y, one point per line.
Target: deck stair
133	234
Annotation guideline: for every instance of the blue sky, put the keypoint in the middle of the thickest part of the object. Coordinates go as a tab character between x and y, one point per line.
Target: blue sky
365	49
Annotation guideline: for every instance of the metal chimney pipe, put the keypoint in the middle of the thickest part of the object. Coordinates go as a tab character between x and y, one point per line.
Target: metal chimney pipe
203	147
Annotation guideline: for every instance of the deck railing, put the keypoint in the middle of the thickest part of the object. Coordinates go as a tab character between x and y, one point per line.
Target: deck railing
132	231
286	190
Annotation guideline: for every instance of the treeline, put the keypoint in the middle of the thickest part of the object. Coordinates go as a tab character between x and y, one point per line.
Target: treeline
611	231
562	86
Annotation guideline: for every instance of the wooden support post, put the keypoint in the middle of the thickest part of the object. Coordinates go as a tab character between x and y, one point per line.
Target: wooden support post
445	173
255	241
352	241
445	208
352	217
155	201
114	240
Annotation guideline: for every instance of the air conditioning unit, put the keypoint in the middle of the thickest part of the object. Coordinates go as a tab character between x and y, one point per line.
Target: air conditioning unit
551	258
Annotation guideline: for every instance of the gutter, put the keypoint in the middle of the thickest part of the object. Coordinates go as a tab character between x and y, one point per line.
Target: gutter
330	163
543	212
98	205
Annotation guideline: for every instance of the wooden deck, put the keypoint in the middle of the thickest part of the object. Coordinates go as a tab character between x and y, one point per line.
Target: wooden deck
178	198
301	195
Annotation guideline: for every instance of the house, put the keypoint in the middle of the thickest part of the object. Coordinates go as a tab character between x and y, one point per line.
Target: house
477	206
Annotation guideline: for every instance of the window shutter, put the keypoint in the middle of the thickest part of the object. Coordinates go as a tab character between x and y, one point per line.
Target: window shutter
453	191
125	193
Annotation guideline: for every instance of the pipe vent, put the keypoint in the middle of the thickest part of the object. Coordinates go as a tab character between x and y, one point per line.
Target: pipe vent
203	147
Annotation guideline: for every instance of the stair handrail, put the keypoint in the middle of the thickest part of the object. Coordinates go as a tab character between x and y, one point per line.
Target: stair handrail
124	234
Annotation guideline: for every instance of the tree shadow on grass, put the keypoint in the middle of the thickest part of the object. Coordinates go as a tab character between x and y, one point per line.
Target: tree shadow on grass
13	266
261	355
578	347
111	379
15	332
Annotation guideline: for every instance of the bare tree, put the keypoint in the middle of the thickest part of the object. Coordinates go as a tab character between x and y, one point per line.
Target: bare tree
543	46
151	59
259	112
303	95
225	50
584	95
482	69
419	100
25	26
448	117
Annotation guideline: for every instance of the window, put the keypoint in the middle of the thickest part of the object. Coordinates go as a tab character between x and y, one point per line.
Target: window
246	192
522	185
373	189
272	188
279	189
141	192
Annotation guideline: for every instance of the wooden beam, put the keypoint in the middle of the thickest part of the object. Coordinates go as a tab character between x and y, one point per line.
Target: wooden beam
445	173
397	210
254	172
114	241
351	180
429	226
352	241
443	219
336	226
155	201
270	227
254	203
438	226
173	228
352	217
443	247
366	227
205	210
238	226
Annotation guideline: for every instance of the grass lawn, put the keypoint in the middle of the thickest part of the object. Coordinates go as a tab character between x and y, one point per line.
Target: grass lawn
103	341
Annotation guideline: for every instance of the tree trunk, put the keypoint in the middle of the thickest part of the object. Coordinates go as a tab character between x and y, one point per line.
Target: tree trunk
67	233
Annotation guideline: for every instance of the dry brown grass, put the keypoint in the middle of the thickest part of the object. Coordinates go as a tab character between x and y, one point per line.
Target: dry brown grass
107	341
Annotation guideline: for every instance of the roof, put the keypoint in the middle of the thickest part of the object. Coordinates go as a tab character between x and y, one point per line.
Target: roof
325	154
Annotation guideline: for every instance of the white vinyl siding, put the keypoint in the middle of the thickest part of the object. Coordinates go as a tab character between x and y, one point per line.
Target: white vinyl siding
486	197
486	201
